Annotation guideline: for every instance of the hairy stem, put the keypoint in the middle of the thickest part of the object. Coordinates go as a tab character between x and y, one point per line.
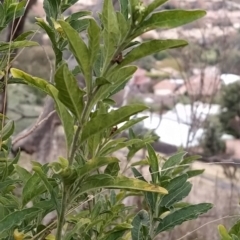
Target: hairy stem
62	214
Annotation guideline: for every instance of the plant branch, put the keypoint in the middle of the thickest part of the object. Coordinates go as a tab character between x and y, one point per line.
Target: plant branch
33	128
62	213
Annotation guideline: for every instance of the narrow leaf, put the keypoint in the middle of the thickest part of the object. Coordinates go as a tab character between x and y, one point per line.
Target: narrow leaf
79	50
193	173
235	229
16	218
150	47
176	196
94	40
124	8
105	121
169	19
129	124
7	130
69	92
182	215
94	164
49	187
121	182
172	162
112	169
16	45
223	233
33	81
52	36
152	6
110	32
141	219
65	117
153	161
32	189
23	173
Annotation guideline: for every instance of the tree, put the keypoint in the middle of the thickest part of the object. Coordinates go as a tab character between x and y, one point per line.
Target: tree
230	109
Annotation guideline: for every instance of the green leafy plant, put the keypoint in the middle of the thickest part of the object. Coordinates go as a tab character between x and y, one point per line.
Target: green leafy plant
229	116
232	234
86	188
10	10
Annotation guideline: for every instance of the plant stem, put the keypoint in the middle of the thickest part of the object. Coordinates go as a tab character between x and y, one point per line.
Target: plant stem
74	146
62	214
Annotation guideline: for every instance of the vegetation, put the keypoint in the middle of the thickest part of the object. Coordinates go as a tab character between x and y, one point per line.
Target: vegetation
230	106
89	175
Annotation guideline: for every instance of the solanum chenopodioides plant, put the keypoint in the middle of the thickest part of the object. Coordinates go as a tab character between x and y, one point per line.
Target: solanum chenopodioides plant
10	10
103	50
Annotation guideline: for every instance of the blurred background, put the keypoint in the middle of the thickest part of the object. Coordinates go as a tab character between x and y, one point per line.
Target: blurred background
193	94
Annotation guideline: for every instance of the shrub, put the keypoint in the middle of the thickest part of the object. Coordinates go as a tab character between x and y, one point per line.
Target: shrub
89	173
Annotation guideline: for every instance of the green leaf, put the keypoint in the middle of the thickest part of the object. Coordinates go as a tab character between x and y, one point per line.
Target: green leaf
176	195
94	164
24	35
119	145
16	218
77	15
15	10
94	40
64	7
2	16
194	173
124	8
185	163
143	162
43	85
33	81
117	78
32	189
105	121
182	215
112	169
110	33
16	45
52	36
175	183
23	173
51	8
153	162
223	233
123	26
115	235
79	25
168	19
137	174
46	206
65	117
152	6
5	184
235	229
7	130
121	182
117	232
69	92
129	124
80	52
49	187
141	219
150	47
12	164
172	162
